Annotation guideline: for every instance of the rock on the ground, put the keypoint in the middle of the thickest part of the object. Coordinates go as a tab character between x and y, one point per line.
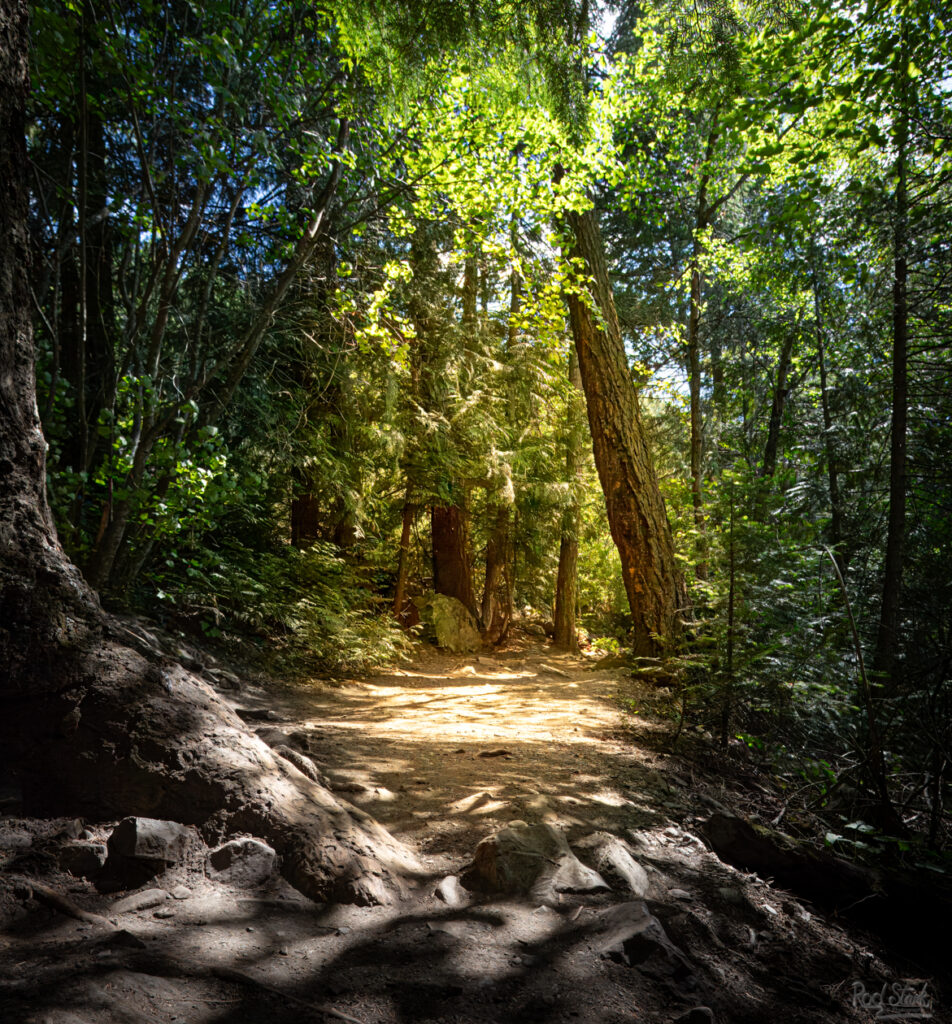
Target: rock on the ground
149	839
139	901
140	848
450	891
530	859
611	858
83	860
242	862
448	623
630	934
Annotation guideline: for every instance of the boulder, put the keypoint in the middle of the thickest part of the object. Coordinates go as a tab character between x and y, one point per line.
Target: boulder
149	839
448	623
83	860
242	862
630	934
611	858
532	860
140	848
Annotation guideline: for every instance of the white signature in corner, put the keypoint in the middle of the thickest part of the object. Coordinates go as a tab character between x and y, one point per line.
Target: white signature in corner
907	999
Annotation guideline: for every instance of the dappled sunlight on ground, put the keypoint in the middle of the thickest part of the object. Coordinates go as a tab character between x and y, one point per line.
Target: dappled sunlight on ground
444	752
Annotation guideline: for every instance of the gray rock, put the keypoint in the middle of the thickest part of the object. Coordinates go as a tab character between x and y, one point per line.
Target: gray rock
611	858
630	934
139	901
242	862
450	891
149	839
83	860
181	892
530	859
448	623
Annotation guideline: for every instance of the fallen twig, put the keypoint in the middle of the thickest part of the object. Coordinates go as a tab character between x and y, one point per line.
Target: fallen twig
63	904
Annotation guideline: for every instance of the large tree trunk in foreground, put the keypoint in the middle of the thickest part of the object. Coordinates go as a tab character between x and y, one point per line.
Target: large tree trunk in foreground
636	513
88	724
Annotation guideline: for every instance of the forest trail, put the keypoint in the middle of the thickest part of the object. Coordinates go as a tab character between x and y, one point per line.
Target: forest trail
447	750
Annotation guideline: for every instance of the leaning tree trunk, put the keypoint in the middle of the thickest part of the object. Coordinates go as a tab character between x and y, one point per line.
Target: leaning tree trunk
636	514
88	724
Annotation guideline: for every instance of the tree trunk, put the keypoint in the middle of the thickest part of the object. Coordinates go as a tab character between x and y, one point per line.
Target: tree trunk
888	633
636	513
88	724
694	387
306	517
837	537
497	551
403	563
452	566
565	637
780	393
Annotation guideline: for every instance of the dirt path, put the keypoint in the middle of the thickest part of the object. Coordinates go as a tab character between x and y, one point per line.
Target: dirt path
444	753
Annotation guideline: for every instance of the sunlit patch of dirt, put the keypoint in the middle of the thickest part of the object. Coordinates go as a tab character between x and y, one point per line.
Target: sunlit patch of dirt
445	750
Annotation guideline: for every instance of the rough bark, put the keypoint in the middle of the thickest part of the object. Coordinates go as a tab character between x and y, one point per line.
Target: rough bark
636	513
566	585
88	724
307	517
452	566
